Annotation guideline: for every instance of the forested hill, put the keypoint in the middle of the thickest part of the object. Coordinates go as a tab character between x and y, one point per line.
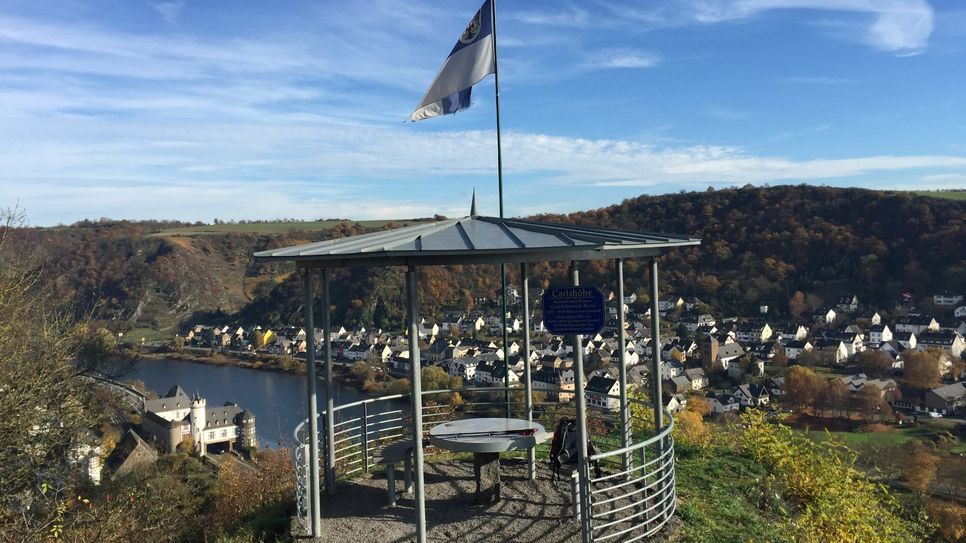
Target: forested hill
763	244
759	246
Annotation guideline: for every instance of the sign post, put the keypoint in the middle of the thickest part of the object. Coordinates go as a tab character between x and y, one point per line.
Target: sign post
573	310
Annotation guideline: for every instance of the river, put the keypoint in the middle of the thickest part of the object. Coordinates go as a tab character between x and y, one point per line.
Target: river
278	400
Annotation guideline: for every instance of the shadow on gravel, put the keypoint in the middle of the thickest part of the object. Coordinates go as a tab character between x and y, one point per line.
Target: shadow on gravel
530	511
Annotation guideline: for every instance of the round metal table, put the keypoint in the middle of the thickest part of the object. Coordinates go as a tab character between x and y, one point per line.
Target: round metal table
486	438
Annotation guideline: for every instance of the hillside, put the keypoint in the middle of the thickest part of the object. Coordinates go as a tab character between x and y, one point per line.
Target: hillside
760	245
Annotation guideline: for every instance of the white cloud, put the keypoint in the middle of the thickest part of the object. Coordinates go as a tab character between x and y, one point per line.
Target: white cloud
169	10
899	26
571	16
625	58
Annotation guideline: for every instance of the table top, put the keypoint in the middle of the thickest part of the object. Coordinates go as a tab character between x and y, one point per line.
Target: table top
487	435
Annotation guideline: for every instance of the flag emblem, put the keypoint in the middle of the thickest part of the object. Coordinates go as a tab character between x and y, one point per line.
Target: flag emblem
472	29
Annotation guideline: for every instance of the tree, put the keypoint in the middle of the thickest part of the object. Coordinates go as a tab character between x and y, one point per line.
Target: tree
362	371
690	428
699	405
920	467
802	387
921	369
949	519
46	407
780	360
830	498
874	362
869	402
834	396
797	305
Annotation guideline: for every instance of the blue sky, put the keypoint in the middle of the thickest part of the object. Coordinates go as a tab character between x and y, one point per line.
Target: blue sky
195	110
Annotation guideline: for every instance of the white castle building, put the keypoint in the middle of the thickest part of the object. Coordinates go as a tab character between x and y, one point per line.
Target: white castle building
173	418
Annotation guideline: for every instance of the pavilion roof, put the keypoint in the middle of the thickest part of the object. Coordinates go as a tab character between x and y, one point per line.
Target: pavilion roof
477	240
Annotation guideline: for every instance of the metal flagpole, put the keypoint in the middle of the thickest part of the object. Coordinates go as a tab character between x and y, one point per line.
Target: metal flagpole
499	176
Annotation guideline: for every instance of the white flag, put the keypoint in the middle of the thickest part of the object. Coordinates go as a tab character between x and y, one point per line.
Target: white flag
472	59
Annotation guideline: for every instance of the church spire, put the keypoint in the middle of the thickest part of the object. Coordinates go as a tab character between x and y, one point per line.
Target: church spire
473	212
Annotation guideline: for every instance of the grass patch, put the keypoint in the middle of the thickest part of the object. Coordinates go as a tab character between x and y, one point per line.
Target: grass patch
721	498
149	335
945	194
272	227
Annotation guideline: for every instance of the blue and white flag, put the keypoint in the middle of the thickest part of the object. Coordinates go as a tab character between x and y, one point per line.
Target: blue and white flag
472	59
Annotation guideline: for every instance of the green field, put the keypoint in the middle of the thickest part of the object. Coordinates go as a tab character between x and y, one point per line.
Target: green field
924	431
946	194
272	227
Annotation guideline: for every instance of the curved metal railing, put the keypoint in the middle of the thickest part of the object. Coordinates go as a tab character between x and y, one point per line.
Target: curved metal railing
632	499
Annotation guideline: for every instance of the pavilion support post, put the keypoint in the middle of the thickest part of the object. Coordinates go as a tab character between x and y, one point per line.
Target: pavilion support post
329	395
315	507
656	355
525	357
582	464
417	403
622	370
506	346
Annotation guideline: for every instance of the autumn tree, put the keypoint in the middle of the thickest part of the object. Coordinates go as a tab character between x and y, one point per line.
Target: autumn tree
802	387
780	360
921	369
46	404
949	518
690	428
796	305
869	402
699	404
834	396
920	466
831	499
874	362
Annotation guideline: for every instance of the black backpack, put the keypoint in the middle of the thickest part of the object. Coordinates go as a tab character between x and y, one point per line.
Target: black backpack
563	448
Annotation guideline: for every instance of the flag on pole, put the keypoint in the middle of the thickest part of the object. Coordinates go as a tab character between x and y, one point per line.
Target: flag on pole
472	59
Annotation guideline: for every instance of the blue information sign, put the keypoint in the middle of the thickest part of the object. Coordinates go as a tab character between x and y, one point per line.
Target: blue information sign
573	310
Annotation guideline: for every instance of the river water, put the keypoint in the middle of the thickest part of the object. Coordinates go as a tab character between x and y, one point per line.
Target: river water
278	400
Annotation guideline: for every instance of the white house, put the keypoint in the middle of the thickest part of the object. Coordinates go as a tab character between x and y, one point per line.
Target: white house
947	299
848	303
752	395
723	403
599	391
916	324
794	349
880	333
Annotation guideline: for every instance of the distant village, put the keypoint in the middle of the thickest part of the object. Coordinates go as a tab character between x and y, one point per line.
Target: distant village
734	362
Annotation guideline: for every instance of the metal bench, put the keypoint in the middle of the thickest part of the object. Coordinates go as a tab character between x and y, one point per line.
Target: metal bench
389	456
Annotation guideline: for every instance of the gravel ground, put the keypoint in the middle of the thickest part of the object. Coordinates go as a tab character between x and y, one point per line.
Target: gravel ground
530	511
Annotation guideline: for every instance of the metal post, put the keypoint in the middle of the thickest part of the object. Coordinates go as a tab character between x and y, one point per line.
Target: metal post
622	371
525	356
581	423
656	355
315	507
365	436
506	346
329	395
417	401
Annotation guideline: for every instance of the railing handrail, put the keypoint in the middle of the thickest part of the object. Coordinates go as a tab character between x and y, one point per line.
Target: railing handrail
665	430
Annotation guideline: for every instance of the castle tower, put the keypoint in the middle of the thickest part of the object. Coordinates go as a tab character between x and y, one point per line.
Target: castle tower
197	419
246	435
